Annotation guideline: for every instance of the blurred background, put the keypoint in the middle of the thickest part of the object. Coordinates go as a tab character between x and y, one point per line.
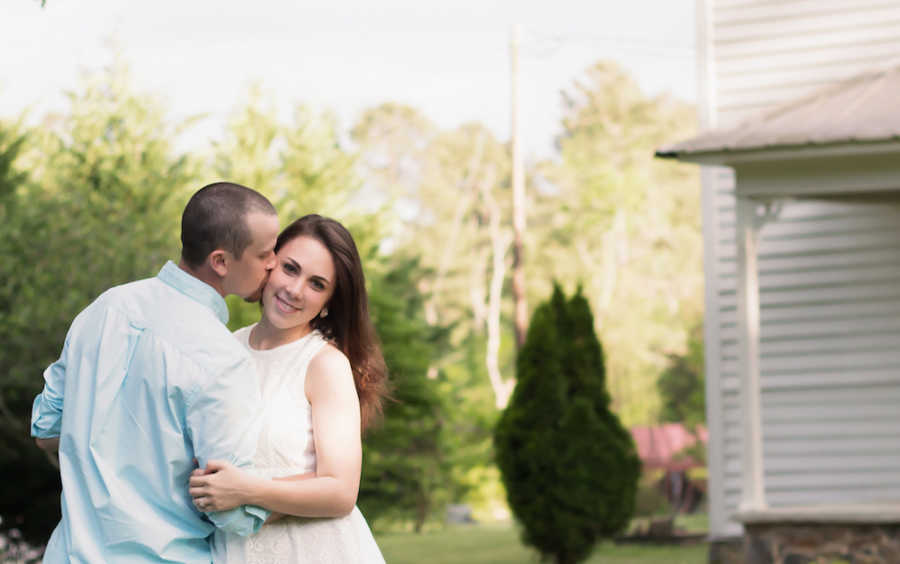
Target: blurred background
403	120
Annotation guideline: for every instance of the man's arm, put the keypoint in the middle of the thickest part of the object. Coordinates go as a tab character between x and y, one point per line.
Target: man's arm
223	423
46	411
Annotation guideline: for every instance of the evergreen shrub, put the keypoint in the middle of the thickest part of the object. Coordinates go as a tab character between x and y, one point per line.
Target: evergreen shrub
570	468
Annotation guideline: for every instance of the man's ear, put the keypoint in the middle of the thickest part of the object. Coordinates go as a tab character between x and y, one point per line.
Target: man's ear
218	261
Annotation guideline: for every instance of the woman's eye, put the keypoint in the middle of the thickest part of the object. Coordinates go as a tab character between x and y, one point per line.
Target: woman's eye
290	268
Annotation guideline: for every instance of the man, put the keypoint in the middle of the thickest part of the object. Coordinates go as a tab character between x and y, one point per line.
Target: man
148	380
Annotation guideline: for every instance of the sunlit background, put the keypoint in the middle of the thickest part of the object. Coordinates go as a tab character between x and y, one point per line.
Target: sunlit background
395	118
448	59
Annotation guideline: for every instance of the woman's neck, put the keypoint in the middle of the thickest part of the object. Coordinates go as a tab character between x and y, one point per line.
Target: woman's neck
266	336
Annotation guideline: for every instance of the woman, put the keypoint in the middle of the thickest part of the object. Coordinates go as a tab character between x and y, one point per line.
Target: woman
323	380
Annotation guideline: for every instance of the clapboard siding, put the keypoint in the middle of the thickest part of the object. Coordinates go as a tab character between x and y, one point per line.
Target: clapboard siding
837	59
771	53
827	397
865	493
760	12
830	352
780	36
809	28
779	76
829	271
811	448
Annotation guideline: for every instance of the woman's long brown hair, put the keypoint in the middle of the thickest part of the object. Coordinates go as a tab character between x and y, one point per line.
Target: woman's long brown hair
347	324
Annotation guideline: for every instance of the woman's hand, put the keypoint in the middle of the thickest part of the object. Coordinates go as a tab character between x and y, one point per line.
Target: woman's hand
220	486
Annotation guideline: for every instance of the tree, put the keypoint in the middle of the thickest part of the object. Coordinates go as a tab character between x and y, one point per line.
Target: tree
462	233
626	223
248	152
450	196
405	469
29	496
570	468
682	387
318	175
392	140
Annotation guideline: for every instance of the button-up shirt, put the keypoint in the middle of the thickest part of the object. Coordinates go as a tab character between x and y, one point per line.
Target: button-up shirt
149	378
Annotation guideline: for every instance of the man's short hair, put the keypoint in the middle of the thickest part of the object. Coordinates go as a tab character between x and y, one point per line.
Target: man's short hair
216	218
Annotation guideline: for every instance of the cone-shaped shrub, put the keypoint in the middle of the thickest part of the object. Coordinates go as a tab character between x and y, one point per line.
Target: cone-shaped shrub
570	468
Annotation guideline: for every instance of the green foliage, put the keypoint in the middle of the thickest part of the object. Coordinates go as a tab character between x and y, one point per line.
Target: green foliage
682	385
30	487
650	500
626	223
570	468
437	180
470	423
300	166
248	153
405	470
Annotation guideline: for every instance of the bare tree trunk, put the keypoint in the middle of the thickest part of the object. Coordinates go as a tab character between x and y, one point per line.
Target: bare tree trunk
477	292
499	243
422	506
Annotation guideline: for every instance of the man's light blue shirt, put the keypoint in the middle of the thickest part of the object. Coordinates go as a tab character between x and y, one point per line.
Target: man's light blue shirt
149	378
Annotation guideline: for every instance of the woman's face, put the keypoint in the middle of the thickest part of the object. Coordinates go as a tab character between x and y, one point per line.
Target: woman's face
300	285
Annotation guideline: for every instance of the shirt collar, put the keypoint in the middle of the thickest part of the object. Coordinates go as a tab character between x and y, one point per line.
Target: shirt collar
194	288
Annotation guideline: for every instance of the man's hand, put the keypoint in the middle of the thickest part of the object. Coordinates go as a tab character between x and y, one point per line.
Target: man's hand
220	486
50	445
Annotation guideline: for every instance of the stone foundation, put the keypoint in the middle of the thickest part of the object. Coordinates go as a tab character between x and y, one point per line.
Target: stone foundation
726	551
820	543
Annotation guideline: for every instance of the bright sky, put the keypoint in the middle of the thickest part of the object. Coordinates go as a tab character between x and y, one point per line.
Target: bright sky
448	59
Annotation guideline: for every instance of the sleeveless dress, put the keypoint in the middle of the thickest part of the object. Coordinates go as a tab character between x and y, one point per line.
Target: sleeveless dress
286	447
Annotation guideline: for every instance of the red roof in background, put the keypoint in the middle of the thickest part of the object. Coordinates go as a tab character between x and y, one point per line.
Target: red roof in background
658	445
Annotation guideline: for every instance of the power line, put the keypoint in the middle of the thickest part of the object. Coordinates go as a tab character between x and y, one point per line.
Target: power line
539	45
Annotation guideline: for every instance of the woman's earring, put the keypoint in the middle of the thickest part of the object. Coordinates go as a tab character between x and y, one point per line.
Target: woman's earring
324	313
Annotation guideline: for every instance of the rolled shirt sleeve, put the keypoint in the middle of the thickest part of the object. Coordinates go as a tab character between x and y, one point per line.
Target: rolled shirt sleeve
223	419
47	409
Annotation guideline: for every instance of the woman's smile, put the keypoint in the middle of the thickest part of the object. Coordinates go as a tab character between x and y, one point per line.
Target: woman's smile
284	306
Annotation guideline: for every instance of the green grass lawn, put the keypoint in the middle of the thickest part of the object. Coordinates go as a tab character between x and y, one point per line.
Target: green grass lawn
499	544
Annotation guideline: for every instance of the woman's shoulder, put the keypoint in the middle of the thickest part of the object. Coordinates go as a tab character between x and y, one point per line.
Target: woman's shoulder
328	372
328	359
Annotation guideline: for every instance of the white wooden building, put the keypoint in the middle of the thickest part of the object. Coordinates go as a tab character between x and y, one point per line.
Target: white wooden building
801	216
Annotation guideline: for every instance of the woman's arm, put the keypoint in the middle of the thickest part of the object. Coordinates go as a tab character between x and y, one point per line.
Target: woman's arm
336	429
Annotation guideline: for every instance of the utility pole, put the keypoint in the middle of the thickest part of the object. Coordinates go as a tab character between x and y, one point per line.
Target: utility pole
518	187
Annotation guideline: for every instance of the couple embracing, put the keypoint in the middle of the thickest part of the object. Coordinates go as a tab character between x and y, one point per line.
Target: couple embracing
181	442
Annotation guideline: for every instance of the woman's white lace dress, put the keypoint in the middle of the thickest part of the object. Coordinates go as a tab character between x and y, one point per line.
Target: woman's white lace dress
286	447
